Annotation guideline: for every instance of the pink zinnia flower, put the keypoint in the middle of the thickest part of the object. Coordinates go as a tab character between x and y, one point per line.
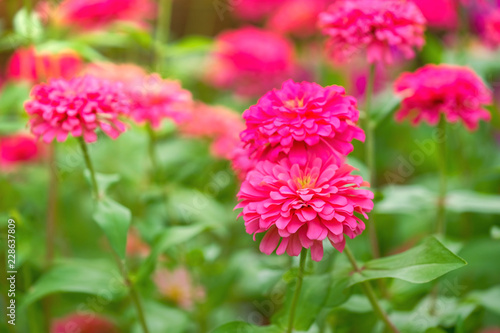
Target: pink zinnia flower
381	26
454	91
95	14
87	323
154	99
254	10
17	149
241	162
136	246
251	61
78	107
115	72
216	123
301	118
297	17
303	205
444	18
491	34
33	66
178	287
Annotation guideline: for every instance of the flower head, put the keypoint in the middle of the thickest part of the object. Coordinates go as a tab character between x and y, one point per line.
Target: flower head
33	66
154	99
454	91
178	287
491	34
78	107
380	26
83	324
301	118
297	17
18	148
254	10
303	205
115	72
95	14
444	18
251	61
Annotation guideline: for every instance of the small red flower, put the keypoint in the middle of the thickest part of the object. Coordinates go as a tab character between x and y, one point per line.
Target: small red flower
88	323
17	149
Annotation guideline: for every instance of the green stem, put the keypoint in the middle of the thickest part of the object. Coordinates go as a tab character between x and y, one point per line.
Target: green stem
152	151
370	156
162	30
298	287
441	213
368	290
51	205
88	162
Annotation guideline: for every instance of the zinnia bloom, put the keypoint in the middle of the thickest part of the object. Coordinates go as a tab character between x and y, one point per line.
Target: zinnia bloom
301	118
241	162
88	323
33	66
154	99
94	14
454	91
297	17
115	72
216	123
381	26
18	148
254	10
444	18
178	287
491	34
78	107
300	206
251	61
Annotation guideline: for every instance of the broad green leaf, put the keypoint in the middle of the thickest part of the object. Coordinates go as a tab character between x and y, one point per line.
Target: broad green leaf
420	264
27	24
408	199
242	327
78	276
161	318
114	219
462	201
490	298
103	181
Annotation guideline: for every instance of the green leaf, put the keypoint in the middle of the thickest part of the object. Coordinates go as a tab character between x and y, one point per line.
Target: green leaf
489	299
421	264
103	181
462	201
114	219
27	25
12	98
495	232
384	104
408	199
161	318
242	327
78	276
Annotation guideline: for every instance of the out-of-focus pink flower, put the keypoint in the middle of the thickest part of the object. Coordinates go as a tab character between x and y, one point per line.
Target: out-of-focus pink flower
297	17
491	33
18	149
444	18
241	162
301	118
216	123
95	14
303	205
136	246
33	66
115	72
154	99
382	27
178	287
77	323
251	61
255	10
78	107
454	91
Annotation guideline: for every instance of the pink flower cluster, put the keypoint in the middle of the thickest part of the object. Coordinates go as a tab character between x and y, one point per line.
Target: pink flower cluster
18	148
298	190
78	107
217	123
250	61
383	27
453	91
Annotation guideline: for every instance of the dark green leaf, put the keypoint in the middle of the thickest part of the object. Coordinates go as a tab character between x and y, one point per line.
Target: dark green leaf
161	318
114	219
241	327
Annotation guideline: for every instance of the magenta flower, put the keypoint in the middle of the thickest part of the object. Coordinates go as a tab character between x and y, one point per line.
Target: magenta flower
17	149
383	27
303	205
241	162
78	107
154	99
491	34
454	91
251	61
301	118
444	18
255	10
83	323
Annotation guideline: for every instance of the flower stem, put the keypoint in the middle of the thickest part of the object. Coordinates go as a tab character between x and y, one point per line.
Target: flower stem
370	155
162	30
88	162
442	156
51	205
368	290
152	151
298	287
